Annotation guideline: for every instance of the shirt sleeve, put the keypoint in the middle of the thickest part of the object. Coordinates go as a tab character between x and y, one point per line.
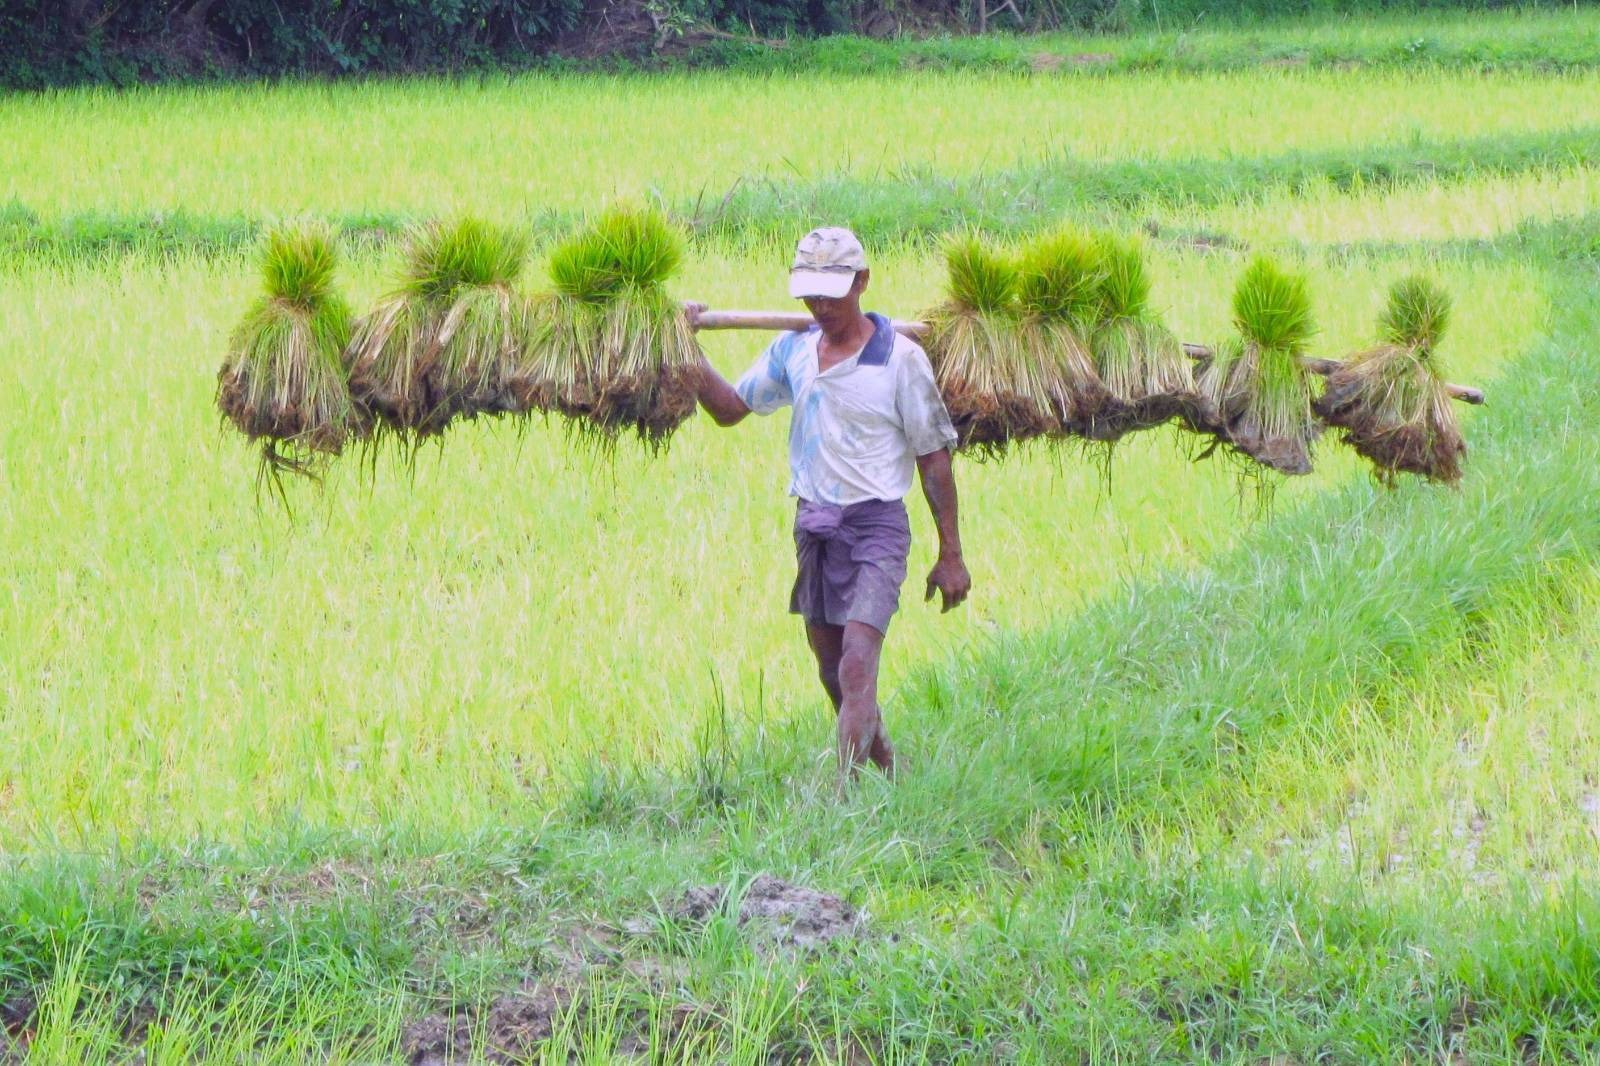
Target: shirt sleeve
923	416
765	387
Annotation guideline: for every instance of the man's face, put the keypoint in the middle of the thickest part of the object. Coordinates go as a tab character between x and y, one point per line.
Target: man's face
836	311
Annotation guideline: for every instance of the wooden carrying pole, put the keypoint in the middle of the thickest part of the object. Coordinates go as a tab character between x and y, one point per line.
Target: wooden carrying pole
797	320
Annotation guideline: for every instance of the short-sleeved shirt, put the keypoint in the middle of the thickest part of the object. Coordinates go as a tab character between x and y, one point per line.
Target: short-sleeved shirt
858	428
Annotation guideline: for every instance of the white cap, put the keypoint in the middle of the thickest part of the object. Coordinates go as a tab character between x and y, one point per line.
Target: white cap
826	263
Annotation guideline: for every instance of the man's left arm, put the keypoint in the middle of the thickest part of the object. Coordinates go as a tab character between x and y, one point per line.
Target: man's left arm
949	575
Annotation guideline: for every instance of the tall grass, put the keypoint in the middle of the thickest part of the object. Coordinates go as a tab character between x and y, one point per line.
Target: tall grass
1478	207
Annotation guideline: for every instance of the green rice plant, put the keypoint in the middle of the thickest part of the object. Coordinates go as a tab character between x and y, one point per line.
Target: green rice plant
1141	362
1256	382
997	392
1059	276
441	345
609	347
283	381
1416	315
1391	400
981	278
442	258
624	246
67	153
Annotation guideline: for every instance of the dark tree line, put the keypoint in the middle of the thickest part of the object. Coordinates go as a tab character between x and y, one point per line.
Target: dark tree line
57	42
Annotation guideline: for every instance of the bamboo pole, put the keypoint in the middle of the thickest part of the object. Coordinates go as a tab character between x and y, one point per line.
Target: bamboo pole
798	320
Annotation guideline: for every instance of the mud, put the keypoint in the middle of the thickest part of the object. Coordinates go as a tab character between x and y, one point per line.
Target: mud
774	913
1432	448
511	1030
1287	455
1222	412
1049	62
1198	240
297	429
989	428
16	1026
651	407
431	404
1115	419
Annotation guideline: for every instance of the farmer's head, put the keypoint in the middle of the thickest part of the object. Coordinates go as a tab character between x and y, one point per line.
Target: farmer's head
829	274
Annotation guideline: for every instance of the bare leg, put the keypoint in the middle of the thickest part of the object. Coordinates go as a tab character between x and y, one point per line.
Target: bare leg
861	732
852	652
827	644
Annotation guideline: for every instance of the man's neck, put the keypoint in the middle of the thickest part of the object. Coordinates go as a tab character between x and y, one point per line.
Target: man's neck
849	340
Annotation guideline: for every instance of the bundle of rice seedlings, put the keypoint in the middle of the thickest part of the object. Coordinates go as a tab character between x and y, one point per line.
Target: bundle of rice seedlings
1059	277
284	380
1141	362
610	348
443	344
1260	389
996	391
1391	400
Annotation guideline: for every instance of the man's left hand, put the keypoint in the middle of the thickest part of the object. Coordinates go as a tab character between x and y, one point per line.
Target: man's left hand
949	575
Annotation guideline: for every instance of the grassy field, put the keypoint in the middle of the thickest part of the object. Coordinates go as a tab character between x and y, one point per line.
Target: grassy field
515	147
395	641
1189	780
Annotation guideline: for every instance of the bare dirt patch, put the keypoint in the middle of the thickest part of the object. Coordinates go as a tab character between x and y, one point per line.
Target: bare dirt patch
16	1026
1197	240
772	914
1046	62
510	1030
775	913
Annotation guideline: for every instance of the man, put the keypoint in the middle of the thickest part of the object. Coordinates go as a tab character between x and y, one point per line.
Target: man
866	411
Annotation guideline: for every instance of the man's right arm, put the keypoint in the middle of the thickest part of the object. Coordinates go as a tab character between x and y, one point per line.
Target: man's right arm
720	399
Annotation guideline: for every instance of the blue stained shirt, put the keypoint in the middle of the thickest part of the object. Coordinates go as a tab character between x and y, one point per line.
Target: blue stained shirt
857	429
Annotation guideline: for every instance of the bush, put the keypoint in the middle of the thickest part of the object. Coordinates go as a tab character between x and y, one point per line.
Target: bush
59	42
46	42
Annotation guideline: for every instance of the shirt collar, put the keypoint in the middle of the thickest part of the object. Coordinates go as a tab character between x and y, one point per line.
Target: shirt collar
878	347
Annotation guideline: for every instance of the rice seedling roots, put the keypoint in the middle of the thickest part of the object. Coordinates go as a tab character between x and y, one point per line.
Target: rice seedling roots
435	400
278	419
987	423
1430	446
1116	419
651	405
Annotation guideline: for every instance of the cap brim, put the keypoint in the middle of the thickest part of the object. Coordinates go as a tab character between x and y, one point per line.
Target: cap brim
830	283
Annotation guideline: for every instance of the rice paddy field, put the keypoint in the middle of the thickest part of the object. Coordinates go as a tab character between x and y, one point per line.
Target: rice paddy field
421	766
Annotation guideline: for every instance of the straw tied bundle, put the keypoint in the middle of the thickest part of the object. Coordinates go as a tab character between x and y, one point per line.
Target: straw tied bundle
1256	387
456	338
284	382
1391	401
440	346
1056	340
609	347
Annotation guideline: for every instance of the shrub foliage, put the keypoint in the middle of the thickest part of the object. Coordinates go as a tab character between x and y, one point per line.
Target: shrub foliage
57	42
